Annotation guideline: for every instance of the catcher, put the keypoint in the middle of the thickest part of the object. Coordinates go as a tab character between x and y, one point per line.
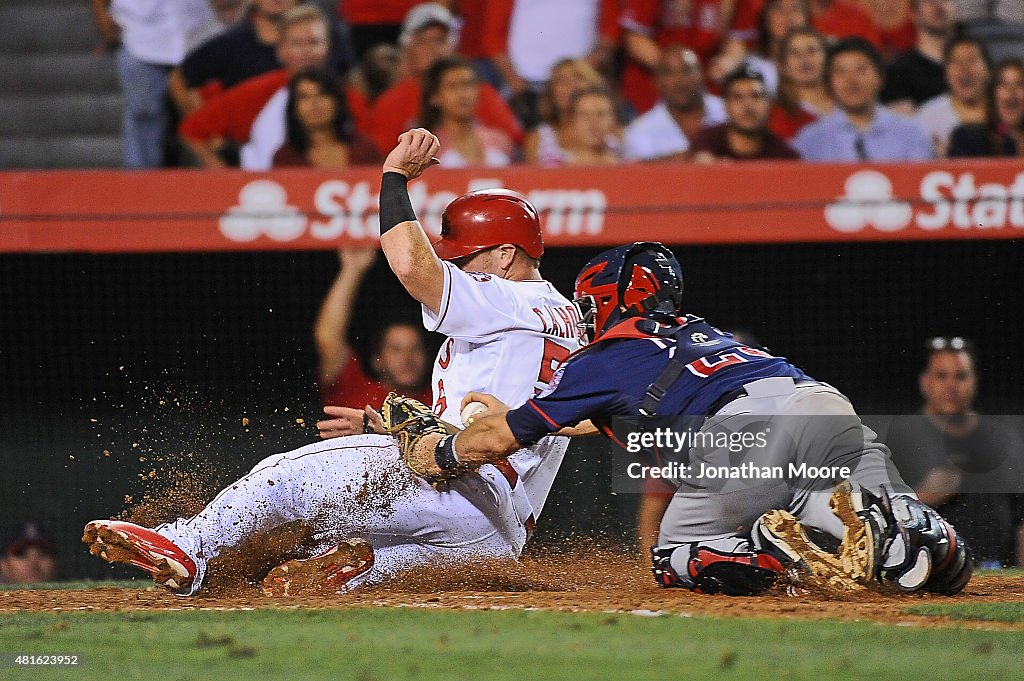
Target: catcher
369	515
646	360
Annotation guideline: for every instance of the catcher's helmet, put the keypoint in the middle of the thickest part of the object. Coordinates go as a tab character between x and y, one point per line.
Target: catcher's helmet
639	279
485	218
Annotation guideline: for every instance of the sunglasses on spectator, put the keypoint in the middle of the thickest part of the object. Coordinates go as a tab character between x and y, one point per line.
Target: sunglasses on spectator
948	343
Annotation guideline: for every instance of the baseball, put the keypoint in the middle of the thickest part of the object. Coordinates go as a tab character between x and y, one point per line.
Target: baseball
471	410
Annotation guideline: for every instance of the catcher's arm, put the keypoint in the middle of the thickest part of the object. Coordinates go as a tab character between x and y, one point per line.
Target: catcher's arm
402	239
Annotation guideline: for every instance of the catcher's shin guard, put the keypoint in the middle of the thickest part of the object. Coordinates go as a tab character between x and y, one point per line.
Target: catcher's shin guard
709	571
922	550
851	567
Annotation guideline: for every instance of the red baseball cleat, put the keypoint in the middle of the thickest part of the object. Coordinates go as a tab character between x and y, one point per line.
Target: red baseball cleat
116	541
321	575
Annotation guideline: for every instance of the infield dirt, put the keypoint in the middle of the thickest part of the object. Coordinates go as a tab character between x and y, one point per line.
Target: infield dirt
600	582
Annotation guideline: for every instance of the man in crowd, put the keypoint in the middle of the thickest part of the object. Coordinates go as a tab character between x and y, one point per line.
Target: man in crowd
252	115
246	51
664	132
399	359
745	135
428	34
968	70
967	466
918	74
152	37
27	556
860	129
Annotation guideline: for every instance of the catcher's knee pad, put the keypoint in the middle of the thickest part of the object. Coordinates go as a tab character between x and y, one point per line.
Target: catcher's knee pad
710	571
923	551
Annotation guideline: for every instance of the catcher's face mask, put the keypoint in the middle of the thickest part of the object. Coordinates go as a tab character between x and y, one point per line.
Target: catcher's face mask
587	325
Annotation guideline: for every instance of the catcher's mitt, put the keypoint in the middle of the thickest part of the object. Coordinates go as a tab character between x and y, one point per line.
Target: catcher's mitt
418	433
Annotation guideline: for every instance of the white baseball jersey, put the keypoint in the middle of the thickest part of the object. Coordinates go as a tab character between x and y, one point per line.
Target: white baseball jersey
505	338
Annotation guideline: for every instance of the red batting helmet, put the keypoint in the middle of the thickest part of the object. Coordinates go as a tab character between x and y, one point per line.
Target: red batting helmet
485	218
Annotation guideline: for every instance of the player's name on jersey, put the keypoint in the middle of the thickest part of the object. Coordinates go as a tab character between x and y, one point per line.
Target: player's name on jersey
745	471
560	322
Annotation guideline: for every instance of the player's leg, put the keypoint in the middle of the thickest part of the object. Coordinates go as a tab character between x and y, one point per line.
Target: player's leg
704	541
466	523
883	530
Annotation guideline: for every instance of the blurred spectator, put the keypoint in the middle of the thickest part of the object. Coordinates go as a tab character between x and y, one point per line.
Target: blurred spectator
27	556
650	25
777	19
242	52
895	22
246	51
968	69
1011	11
745	135
860	129
152	36
451	91
319	127
664	132
596	135
918	75
545	145
836	19
539	33
428	34
375	73
253	113
399	359
226	14
803	96
375	21
966	466
1003	133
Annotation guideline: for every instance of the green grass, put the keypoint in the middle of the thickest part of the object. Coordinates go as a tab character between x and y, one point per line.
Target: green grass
412	643
79	584
984	612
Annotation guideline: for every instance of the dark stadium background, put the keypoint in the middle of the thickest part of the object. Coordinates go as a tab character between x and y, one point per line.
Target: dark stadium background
161	356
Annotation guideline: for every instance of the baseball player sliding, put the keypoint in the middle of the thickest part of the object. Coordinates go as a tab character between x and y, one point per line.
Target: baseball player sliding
370	517
647	359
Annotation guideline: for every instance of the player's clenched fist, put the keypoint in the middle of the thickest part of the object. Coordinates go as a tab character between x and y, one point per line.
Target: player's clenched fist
416	151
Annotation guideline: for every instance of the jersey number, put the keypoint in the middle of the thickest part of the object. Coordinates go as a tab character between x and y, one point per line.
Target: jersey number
554	355
705	366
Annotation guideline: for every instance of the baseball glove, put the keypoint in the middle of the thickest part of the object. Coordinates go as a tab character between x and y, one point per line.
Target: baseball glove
418	433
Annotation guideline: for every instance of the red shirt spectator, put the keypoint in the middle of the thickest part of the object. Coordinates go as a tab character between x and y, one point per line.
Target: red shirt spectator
835	19
398	109
786	124
701	29
231	115
353	387
376	11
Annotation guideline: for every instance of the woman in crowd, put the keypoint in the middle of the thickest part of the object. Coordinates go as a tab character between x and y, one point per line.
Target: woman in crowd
320	130
1003	134
777	19
546	144
596	133
802	96
968	71
450	93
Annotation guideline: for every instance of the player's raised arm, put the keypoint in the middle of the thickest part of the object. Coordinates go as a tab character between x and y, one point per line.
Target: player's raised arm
402	239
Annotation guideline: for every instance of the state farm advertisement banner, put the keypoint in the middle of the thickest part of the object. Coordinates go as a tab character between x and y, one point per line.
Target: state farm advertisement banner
189	210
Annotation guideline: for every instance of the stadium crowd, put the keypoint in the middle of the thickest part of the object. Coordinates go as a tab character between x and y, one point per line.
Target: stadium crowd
282	83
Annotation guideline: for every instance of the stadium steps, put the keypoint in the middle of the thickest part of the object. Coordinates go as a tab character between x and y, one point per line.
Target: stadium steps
60	102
